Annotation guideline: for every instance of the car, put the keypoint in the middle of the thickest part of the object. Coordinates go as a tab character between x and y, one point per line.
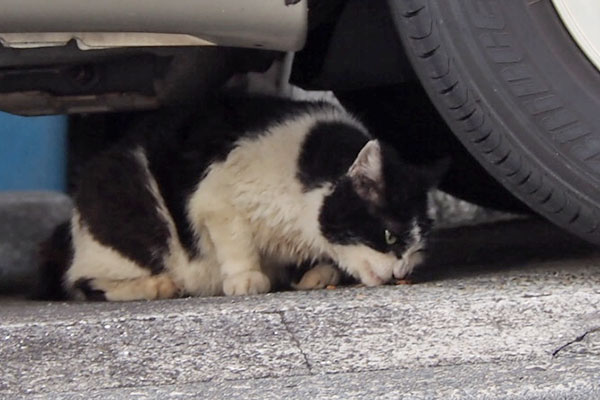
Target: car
509	89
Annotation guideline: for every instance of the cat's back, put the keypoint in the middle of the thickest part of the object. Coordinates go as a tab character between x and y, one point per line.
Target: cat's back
275	143
274	171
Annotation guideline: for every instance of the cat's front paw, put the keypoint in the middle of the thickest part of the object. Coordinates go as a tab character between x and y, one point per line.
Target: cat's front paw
249	282
372	276
318	277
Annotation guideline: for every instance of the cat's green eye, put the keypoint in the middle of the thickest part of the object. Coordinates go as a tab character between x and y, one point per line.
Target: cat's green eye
390	238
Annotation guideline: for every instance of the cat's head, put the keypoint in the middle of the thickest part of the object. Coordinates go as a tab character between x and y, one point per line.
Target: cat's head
377	217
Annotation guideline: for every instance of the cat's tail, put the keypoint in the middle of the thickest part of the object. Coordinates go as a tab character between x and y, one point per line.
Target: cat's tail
55	255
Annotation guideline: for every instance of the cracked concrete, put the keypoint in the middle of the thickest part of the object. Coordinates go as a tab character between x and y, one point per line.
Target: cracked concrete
515	381
296	341
494	317
582	344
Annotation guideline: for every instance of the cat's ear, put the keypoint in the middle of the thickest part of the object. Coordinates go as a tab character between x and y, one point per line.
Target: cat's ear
366	172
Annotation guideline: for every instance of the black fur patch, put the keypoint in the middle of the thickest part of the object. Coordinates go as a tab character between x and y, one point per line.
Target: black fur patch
56	254
117	206
327	152
256	113
180	144
406	190
88	291
181	148
346	218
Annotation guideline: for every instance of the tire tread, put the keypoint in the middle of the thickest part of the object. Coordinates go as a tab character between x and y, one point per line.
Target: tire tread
512	166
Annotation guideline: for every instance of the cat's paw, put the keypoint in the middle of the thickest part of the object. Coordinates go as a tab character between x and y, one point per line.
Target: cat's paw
144	288
249	282
164	287
375	275
318	277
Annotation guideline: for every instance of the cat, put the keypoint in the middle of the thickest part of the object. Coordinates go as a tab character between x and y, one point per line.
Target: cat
219	199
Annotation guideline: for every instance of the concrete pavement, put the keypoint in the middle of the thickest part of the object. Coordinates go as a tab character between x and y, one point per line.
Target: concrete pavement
505	311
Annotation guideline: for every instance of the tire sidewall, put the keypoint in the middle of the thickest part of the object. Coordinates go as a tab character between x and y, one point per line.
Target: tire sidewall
538	95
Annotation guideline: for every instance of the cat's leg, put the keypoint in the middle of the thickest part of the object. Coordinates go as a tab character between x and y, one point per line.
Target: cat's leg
318	277
238	257
153	287
100	272
123	235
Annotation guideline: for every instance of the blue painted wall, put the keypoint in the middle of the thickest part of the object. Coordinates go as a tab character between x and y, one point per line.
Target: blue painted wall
33	152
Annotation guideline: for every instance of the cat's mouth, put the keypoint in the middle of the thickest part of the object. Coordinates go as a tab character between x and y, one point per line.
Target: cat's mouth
378	273
408	263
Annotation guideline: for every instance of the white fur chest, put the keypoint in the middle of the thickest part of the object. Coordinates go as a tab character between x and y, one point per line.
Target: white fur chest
257	187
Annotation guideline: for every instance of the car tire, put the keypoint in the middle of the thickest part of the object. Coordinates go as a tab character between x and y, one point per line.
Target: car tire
518	93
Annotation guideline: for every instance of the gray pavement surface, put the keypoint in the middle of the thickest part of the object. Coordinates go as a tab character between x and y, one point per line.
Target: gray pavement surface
509	310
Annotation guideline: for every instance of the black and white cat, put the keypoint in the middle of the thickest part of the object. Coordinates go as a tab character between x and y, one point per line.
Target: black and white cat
219	199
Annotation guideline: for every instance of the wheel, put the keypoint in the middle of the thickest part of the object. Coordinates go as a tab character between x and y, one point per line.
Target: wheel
519	94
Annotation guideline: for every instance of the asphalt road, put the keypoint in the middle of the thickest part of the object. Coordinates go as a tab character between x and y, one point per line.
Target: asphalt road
508	310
